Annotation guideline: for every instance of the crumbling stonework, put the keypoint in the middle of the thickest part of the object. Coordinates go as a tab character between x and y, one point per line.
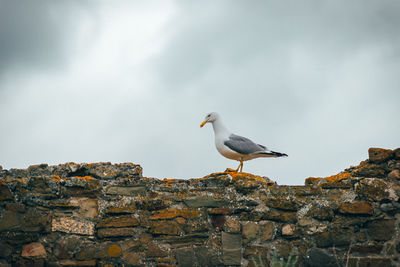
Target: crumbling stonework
106	214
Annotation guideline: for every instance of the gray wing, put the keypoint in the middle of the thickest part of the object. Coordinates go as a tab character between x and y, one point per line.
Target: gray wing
243	145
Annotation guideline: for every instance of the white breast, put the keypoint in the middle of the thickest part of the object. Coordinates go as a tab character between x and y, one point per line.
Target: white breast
226	151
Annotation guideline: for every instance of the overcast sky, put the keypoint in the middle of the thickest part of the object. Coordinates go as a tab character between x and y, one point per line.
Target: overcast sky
131	81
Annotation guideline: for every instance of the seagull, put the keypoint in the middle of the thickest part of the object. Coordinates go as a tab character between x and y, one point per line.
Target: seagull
234	146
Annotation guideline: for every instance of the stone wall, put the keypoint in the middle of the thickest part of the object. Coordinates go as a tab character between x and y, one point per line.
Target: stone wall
110	215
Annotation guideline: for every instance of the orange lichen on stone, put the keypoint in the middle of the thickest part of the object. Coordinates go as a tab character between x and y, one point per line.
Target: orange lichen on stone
234	174
169	181
249	176
57	178
329	179
84	178
173	213
2	182
114	251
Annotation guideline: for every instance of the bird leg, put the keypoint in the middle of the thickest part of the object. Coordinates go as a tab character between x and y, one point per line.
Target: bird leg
240	167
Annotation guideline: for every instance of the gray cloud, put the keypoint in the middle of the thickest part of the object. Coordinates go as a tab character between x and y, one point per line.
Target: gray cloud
317	80
38	34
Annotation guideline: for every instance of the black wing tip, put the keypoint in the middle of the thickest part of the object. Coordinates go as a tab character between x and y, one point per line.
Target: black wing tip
279	154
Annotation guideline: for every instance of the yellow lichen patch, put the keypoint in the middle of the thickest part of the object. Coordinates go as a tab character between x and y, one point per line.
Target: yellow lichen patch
114	251
330	179
173	213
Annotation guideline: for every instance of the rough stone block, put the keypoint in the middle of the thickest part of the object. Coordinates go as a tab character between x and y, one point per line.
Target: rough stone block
125	191
121	210
220	211
28	262
87	207
186	257
35	249
288	229
155	251
70	225
5	193
366	249
199	202
249	231
114	251
174	212
318	257
76	263
395	174
231	249
282	216
120	221
33	221
379	155
152	204
374	189
5	249
360	208
232	224
165	227
366	262
268	230
381	230
10	220
116	232
132	258
3	263
283	204
369	170
335	237
321	213
178	241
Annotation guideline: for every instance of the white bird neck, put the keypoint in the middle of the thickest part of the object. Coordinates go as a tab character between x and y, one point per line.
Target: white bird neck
219	128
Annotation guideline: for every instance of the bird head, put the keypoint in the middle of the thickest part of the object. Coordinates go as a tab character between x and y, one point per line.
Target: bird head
210	117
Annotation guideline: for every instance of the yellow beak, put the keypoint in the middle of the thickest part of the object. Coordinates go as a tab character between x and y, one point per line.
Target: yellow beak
203	123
